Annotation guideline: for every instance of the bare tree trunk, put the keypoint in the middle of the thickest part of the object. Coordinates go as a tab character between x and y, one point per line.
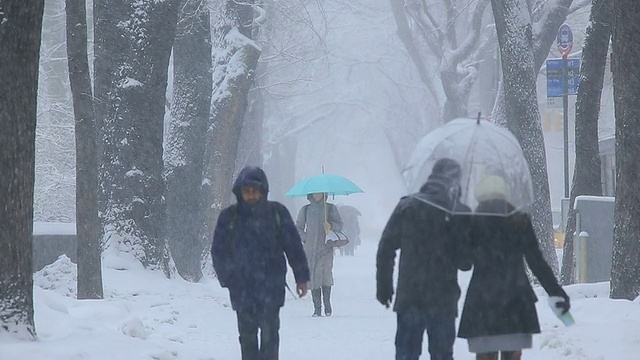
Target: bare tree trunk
404	33
548	17
281	169
133	43
625	272
87	222
187	135
521	108
587	175
250	144
233	46
425	39
399	159
20	31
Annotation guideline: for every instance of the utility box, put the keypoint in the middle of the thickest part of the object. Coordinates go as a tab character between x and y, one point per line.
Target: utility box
593	239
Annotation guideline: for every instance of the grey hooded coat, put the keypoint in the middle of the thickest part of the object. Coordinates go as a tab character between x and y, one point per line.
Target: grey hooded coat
310	224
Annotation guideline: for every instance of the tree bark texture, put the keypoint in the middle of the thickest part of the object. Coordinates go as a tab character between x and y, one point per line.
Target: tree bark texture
186	137
548	15
250	144
20	34
625	272
587	176
521	108
234	66
88	248
133	43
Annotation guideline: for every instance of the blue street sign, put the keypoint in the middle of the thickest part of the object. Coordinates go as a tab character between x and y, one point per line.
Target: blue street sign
554	77
564	39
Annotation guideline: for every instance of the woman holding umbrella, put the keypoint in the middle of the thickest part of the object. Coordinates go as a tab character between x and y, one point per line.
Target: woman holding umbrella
499	314
315	220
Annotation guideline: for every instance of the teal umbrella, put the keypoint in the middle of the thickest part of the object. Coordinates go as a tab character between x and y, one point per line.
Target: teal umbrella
324	183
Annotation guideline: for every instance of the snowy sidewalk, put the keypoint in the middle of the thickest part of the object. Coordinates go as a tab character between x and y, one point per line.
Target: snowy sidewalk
145	316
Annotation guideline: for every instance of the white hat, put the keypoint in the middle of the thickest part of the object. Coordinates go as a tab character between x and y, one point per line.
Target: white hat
491	187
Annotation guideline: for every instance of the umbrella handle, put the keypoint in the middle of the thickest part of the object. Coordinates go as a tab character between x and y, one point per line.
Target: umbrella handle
325	209
325	216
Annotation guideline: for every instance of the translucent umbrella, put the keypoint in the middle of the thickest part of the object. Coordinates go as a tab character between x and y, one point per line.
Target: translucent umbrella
490	157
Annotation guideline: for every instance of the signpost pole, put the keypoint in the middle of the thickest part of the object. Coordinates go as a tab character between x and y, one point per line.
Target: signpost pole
565	43
565	123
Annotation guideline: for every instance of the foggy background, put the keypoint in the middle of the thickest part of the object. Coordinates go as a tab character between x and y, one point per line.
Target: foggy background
339	84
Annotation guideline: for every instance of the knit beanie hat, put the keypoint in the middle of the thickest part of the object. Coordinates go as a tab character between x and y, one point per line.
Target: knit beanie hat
490	188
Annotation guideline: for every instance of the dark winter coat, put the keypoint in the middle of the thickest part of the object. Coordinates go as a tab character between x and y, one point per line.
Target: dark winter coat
427	237
249	247
310	225
500	299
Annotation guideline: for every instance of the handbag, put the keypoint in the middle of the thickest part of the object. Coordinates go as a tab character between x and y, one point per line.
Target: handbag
336	238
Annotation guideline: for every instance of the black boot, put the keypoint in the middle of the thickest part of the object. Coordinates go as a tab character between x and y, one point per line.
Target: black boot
315	295
326	297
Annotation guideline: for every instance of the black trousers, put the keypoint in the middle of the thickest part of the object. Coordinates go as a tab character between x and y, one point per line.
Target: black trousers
268	322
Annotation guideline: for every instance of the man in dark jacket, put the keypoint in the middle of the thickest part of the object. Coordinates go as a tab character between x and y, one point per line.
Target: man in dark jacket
248	251
428	237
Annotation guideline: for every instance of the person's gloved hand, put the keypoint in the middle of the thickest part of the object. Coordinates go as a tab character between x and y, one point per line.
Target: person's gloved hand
384	294
560	303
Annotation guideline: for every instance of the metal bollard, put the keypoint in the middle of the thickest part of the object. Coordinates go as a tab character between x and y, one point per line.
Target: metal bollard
580	253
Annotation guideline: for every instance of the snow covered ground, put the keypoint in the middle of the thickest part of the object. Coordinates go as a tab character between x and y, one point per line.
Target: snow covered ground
145	316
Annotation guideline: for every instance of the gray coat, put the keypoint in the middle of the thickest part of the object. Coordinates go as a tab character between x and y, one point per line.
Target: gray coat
310	226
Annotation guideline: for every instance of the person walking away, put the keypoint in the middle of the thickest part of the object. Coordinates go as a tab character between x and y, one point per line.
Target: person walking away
499	313
349	215
248	251
422	228
314	222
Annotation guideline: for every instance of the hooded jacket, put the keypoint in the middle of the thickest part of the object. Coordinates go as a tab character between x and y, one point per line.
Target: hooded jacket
428	239
249	247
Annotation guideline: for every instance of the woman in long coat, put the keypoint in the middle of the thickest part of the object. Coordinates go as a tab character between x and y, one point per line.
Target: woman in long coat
499	312
313	225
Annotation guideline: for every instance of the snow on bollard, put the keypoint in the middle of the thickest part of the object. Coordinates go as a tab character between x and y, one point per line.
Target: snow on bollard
580	255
